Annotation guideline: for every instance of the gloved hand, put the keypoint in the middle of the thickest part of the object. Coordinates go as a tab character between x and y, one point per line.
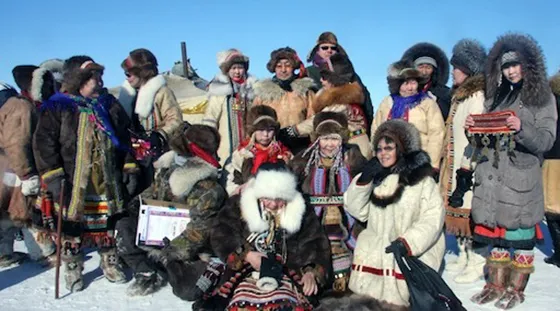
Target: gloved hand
31	186
396	246
287	133
464	184
371	169
157	144
435	175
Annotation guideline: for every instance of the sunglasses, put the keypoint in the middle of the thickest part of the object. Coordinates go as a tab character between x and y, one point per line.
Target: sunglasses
329	47
127	74
386	148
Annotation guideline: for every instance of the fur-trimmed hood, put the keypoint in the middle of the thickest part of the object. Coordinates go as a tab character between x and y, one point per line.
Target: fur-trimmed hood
268	90
555	84
221	86
183	178
535	91
441	73
272	184
146	96
351	93
469	88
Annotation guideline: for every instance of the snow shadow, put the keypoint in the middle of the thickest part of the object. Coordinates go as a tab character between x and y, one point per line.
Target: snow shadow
19	273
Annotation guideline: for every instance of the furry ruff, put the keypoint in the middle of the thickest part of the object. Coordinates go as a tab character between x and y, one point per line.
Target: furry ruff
273	184
471	86
183	179
469	54
267	90
555	84
221	85
37	84
536	90
351	93
406	132
145	99
431	50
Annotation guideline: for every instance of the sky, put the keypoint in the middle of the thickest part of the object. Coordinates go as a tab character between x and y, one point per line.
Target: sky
374	33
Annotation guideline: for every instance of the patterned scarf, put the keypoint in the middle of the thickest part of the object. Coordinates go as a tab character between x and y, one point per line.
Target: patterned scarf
402	105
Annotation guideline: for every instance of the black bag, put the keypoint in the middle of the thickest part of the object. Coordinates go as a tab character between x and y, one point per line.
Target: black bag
428	291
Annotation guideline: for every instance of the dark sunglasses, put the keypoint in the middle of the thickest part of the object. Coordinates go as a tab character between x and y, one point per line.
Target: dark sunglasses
386	148
327	47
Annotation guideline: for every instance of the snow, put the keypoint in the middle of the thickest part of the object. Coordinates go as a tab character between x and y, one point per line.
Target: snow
31	288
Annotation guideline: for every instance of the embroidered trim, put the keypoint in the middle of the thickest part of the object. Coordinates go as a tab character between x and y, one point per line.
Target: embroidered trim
52	174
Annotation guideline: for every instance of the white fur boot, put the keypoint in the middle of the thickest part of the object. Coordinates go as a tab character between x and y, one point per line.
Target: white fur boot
474	270
461	262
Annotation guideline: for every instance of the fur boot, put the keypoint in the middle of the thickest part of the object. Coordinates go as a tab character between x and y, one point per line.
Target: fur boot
73	267
461	262
111	266
474	269
145	283
514	295
498	269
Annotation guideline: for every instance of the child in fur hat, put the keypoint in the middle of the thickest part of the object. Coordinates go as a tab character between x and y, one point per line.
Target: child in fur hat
261	147
325	171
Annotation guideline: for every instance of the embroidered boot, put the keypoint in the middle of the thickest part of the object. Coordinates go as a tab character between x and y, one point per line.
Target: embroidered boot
522	268
110	265
498	268
461	262
474	270
73	267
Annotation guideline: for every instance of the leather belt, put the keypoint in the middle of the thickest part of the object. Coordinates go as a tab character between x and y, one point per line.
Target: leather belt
380	272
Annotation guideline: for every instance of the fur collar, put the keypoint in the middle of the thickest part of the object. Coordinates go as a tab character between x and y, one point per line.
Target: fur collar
555	84
535	91
291	216
146	96
469	88
267	90
183	178
221	85
410	170
341	95
37	84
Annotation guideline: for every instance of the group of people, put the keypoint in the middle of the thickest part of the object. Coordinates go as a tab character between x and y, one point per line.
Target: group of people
297	192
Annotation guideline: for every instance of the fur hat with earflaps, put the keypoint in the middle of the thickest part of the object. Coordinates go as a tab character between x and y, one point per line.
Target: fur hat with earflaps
228	58
77	71
36	83
261	117
141	63
338	70
469	56
327	122
283	53
325	37
205	137
401	71
428	53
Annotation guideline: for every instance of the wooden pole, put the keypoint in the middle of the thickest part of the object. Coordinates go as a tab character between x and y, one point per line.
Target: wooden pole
59	239
185	59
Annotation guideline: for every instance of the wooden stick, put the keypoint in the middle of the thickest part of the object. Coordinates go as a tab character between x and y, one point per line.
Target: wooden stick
59	240
185	59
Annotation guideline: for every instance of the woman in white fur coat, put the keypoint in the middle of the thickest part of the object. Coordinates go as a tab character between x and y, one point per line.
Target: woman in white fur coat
399	199
230	97
148	100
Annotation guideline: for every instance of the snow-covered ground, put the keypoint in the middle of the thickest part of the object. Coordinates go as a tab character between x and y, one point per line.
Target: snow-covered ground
31	288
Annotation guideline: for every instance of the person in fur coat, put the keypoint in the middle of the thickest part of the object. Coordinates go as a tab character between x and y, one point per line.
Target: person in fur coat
399	199
324	173
276	253
20	186
148	101
508	196
288	93
82	139
230	96
341	93
409	102
187	176
551	184
468	98
261	147
432	62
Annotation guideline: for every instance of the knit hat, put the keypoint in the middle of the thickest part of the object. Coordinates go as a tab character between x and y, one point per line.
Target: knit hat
469	56
261	117
77	71
37	82
141	63
205	137
428	53
338	70
228	58
327	122
283	53
401	71
325	37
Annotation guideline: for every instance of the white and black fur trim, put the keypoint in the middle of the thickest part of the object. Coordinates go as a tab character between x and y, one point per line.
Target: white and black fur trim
146	96
37	84
221	86
272	184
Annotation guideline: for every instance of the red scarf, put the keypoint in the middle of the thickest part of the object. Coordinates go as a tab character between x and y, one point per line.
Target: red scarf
271	154
239	80
199	152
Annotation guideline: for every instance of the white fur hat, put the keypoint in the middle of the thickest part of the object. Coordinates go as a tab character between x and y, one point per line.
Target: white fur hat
227	58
